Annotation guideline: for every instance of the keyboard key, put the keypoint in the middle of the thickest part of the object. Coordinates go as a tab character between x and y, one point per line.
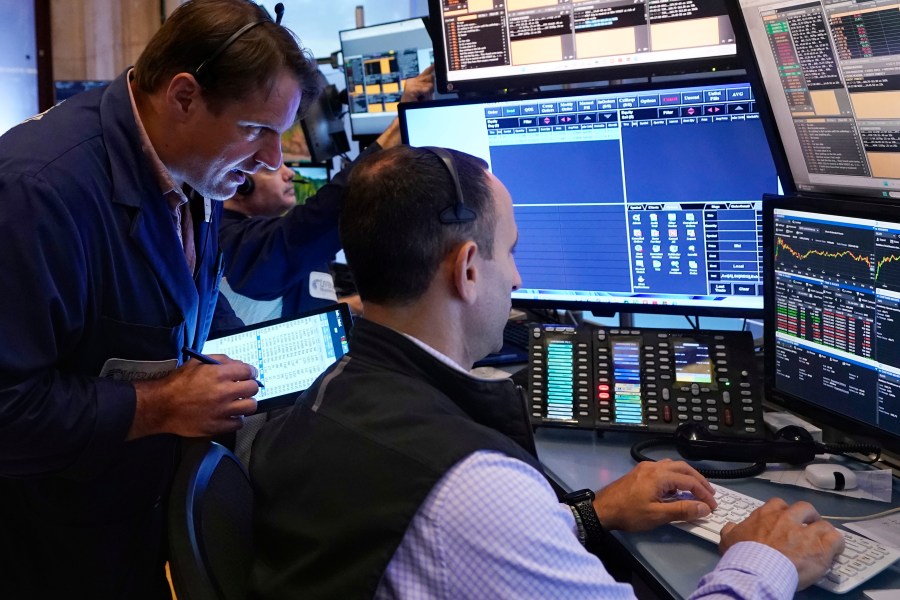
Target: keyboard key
861	559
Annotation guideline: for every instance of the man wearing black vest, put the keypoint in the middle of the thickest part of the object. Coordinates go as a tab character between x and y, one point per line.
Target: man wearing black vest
400	475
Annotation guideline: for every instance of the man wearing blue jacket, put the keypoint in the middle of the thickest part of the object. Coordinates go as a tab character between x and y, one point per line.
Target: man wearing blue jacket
111	267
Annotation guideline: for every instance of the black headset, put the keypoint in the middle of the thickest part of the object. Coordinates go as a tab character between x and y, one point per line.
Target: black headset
199	71
247	186
458	213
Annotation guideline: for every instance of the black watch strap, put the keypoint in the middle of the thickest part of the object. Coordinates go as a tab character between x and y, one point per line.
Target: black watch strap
582	501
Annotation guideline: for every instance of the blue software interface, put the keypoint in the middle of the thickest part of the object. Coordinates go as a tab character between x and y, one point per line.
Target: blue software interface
651	198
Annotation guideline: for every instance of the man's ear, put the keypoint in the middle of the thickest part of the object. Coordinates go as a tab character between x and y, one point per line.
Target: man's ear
183	96
465	271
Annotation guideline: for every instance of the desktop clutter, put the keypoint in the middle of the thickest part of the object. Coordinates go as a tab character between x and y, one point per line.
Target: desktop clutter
793	451
699	392
720	159
698	387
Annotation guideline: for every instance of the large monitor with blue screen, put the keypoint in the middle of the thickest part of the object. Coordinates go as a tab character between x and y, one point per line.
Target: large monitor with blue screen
497	44
376	61
646	199
833	313
831	71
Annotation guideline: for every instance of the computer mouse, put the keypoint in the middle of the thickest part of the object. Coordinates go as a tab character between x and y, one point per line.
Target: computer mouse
830	477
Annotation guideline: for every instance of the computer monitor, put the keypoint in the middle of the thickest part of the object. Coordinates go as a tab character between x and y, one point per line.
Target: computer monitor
308	178
66	88
644	199
323	126
831	72
833	313
376	61
493	44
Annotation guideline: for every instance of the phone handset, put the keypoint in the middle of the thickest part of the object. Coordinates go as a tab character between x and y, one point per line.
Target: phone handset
792	444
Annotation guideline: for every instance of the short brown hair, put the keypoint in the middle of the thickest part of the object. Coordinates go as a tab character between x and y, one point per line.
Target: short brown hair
391	228
196	29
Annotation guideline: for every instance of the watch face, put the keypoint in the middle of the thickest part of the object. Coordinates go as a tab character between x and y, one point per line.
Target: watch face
579	496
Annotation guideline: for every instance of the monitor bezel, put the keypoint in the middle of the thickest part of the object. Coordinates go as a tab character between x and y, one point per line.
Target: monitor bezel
534	81
868	208
760	94
773	131
357	136
620	306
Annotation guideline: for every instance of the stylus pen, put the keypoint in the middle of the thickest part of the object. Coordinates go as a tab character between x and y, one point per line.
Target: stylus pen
208	360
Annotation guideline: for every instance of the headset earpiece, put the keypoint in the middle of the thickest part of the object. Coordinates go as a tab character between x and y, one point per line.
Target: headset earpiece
246	188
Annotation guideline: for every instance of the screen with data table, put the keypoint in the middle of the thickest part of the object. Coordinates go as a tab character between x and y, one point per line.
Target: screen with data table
835	310
377	59
645	199
289	353
494	44
831	71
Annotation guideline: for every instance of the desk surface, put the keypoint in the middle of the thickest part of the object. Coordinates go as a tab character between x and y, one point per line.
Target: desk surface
580	459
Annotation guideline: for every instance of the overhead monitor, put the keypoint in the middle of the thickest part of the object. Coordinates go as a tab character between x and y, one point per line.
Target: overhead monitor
495	44
376	61
645	199
322	125
833	313
831	71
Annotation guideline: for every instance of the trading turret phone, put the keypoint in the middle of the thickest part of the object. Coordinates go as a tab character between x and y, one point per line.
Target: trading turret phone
643	379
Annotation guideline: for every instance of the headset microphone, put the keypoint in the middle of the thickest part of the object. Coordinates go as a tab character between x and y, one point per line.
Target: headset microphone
246	187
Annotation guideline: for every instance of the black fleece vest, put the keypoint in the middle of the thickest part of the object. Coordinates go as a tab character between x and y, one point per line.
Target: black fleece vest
340	477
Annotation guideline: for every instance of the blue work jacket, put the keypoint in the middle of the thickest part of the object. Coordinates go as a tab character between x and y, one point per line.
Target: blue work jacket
92	269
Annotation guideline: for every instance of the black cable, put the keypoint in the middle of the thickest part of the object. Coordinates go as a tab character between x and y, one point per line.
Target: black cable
846	449
637	453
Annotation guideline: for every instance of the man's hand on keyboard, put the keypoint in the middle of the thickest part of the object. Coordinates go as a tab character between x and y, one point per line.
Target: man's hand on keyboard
797	531
641	500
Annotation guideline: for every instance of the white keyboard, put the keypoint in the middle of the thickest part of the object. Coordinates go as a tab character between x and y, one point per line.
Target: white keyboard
861	559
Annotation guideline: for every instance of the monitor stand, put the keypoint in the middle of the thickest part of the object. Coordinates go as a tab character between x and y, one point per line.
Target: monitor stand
576	317
626	320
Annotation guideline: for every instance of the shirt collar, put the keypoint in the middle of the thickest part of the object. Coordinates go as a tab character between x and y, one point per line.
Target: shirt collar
160	172
438	355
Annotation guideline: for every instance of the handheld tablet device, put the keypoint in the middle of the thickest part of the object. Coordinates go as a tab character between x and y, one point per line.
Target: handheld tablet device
290	353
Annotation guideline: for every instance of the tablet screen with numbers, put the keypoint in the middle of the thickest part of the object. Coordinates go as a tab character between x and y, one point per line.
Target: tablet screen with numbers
290	353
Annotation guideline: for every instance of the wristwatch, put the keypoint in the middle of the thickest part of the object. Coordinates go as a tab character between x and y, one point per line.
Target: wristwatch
582	503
